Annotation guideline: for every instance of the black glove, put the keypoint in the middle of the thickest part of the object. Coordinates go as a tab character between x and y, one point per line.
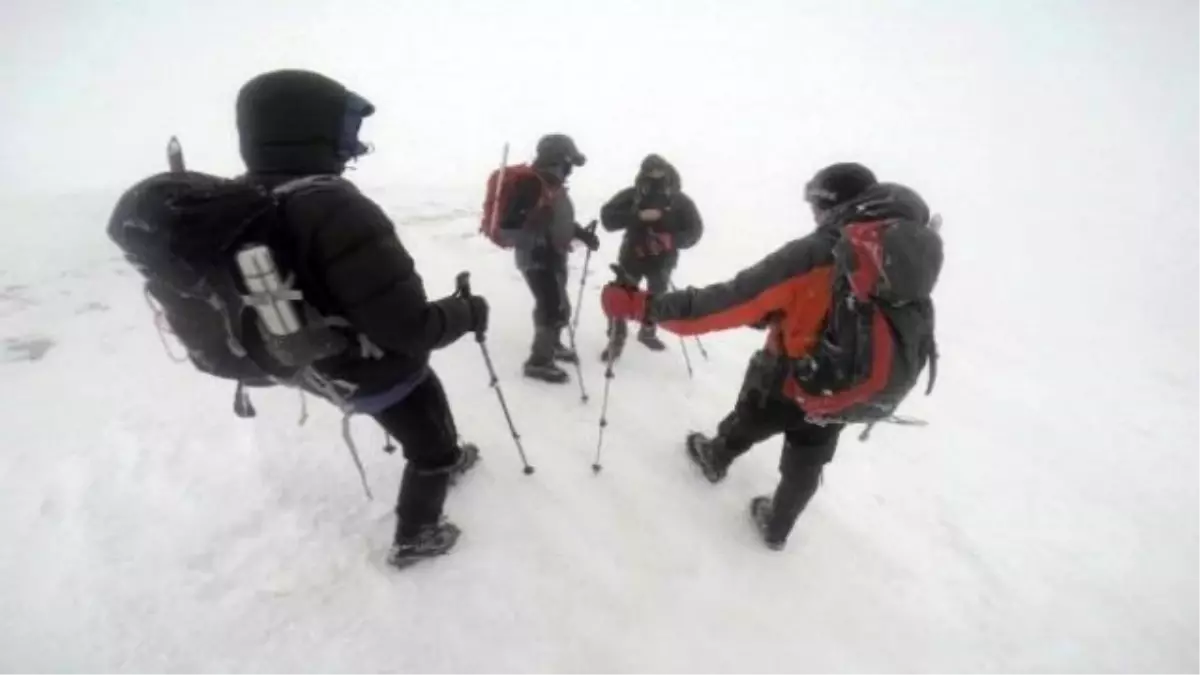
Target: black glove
588	236
461	316
479	313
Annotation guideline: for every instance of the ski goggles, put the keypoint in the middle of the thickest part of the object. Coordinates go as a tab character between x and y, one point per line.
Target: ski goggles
357	109
819	196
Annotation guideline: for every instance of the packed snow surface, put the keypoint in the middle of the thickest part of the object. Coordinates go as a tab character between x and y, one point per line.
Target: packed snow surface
1045	520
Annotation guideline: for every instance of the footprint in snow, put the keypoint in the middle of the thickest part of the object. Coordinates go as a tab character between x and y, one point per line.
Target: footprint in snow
13	293
26	348
93	307
14	299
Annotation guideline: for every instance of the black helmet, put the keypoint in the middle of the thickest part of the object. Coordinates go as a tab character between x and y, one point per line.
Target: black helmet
558	149
837	184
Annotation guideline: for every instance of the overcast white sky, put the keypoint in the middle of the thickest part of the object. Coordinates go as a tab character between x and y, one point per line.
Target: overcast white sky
767	89
1026	122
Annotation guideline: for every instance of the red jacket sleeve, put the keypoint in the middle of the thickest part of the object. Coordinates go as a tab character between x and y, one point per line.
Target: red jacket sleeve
777	283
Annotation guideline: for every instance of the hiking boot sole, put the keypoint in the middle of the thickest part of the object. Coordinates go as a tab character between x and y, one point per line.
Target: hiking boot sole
709	473
401	561
760	514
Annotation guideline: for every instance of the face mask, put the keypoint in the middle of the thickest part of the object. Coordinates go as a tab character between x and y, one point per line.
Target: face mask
654	191
357	109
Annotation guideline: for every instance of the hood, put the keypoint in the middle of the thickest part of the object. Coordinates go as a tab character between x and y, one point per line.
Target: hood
657	184
296	123
655	163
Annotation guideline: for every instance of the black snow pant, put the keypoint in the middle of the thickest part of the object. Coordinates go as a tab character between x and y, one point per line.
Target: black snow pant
551	312
657	274
807	448
424	426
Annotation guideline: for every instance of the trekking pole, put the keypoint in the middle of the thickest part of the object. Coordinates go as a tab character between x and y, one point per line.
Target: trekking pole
699	344
582	280
622	278
463	285
573	325
686	359
583	395
608	378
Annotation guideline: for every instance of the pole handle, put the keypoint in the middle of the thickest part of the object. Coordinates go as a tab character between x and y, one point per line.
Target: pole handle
462	288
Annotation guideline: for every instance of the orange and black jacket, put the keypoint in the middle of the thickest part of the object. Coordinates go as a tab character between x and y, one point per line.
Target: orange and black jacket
789	290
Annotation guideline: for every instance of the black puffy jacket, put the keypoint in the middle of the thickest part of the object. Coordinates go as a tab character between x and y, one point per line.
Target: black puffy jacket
644	245
343	249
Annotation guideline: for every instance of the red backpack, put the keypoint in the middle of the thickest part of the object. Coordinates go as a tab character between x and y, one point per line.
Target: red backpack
498	197
879	334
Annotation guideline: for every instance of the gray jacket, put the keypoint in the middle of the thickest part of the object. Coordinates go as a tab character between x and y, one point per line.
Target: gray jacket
541	232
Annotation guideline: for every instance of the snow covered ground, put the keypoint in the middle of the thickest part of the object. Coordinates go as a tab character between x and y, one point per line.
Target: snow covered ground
1046	520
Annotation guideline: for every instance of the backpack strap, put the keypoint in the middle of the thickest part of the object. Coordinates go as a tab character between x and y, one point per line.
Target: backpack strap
161	326
284	291
367	349
932	350
306	183
899	420
242	407
547	192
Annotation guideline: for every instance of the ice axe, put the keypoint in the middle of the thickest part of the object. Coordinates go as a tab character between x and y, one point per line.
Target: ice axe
462	285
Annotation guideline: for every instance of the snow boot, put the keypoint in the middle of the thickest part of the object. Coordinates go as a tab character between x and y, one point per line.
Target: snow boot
760	511
428	542
540	365
647	336
775	516
564	354
467	459
546	372
707	453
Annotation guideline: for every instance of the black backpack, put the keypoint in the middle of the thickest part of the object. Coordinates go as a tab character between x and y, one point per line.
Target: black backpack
204	245
879	333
